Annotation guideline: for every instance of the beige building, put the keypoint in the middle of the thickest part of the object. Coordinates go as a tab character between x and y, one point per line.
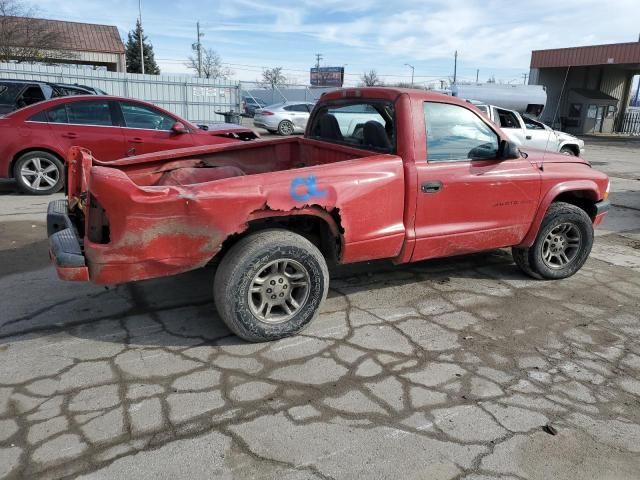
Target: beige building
77	43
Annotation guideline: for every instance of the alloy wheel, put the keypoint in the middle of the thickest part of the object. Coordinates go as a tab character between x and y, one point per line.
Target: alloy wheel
40	173
279	290
561	245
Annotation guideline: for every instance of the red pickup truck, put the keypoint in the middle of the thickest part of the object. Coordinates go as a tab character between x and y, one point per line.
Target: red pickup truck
381	173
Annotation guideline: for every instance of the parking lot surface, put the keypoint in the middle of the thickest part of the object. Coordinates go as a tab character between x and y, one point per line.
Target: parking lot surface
457	368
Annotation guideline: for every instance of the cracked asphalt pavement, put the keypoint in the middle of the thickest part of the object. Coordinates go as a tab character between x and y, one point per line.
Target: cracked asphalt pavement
448	369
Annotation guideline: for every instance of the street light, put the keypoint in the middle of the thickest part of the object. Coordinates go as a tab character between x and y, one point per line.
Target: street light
412	72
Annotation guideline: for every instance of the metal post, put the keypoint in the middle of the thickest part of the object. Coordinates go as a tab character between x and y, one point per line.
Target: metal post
140	36
412	72
199	46
455	67
477	74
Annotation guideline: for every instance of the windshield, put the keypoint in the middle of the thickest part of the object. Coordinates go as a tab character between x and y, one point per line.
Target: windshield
367	124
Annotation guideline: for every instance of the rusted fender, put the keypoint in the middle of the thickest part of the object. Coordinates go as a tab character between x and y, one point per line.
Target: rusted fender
163	230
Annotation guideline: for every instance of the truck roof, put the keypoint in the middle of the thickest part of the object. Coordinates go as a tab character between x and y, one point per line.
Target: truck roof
390	93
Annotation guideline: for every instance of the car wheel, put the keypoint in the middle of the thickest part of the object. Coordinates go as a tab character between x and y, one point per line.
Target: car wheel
285	127
270	285
567	151
562	246
39	173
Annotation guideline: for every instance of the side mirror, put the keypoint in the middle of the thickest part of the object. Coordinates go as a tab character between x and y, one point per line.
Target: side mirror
507	150
179	128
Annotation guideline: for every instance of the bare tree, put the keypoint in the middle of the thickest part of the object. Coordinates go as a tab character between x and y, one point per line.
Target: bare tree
24	38
370	79
273	77
211	66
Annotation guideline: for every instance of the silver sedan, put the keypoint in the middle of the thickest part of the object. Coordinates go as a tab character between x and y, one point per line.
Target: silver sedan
285	118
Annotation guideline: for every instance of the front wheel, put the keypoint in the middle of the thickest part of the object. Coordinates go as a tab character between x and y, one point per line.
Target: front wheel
39	173
270	285
562	246
567	151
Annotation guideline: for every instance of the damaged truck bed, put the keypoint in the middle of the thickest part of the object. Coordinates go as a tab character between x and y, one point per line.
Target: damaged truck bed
380	174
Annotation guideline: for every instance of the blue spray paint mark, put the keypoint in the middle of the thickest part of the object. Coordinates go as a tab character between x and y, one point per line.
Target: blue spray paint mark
303	189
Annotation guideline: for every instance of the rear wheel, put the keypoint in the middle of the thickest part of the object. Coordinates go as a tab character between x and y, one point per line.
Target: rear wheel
270	285
39	173
562	246
285	127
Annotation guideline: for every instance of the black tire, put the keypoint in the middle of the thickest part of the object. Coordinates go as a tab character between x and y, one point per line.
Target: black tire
245	262
285	127
34	185
521	257
568	151
559	216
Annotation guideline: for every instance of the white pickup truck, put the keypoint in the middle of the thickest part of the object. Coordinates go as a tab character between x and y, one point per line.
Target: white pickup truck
531	133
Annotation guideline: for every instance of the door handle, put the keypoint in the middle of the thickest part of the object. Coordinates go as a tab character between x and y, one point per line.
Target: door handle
431	187
136	140
70	135
528	137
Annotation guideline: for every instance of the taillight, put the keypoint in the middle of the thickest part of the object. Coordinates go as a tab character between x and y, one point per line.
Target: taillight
265	112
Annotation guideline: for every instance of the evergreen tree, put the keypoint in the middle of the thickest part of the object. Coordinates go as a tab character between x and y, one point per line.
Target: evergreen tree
133	53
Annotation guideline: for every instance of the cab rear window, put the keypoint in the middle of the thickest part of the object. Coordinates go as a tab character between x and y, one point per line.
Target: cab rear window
366	124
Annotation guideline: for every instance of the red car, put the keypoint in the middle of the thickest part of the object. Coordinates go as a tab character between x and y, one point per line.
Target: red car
35	140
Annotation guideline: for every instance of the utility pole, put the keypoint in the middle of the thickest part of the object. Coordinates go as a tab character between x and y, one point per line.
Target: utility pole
477	74
413	70
140	36
455	67
198	48
525	76
319	77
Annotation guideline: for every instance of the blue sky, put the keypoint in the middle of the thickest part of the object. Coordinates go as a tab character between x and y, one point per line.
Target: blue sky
495	36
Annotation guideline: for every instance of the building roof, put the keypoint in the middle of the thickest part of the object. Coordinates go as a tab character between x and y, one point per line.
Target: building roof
83	37
611	54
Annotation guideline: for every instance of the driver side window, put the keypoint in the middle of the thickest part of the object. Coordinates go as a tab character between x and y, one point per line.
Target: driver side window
141	116
455	134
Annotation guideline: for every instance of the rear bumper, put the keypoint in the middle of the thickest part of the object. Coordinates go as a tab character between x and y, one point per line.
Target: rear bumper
601	211
65	248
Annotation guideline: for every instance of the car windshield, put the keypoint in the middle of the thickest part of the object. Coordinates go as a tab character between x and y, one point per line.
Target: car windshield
367	124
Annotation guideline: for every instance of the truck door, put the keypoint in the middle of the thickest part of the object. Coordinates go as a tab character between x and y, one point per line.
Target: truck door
468	199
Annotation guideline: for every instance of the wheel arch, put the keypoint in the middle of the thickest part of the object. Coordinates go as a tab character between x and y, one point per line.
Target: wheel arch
571	146
320	227
583	194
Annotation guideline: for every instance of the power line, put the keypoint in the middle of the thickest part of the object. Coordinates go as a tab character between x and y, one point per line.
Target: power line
261	67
